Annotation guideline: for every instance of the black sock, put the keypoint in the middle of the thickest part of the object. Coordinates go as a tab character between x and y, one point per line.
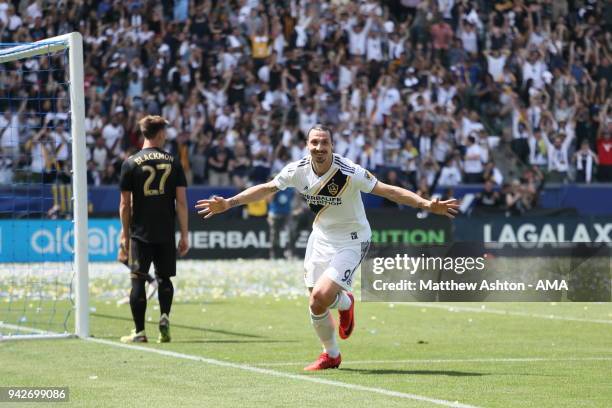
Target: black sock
165	292
138	303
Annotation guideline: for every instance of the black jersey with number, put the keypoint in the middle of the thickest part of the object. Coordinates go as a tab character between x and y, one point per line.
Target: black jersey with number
152	175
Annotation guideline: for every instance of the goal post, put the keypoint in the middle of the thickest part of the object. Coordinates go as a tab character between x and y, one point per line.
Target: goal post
72	44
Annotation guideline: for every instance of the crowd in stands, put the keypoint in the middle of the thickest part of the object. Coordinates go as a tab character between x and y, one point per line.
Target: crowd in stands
423	93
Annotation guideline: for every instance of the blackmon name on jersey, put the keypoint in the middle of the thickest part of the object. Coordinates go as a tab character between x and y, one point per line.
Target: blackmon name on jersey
335	196
152	176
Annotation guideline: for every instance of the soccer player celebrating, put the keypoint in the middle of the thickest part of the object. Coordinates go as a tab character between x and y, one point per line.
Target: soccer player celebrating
332	186
152	194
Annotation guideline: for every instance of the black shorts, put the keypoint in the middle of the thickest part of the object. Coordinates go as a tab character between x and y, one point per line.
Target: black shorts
162	256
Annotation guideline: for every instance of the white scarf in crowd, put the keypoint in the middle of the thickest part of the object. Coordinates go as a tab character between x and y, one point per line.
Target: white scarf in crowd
589	165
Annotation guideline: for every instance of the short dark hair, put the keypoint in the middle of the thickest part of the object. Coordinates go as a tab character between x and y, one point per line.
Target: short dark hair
323	128
150	125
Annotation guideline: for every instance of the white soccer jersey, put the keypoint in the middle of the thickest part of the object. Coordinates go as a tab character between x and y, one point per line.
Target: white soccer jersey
335	197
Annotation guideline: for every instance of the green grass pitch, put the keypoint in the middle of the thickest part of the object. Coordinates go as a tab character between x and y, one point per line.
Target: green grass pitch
484	355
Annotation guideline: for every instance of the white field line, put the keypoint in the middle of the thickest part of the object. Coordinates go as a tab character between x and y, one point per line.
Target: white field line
280	374
446	361
505	312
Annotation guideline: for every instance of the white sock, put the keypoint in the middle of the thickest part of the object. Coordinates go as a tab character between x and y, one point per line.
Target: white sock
326	330
342	302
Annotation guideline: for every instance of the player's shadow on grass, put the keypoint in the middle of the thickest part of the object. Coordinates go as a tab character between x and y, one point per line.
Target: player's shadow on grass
198	302
378	371
182	326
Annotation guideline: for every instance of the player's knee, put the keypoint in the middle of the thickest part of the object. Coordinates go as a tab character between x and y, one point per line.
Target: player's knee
318	302
138	293
165	284
138	283
138	277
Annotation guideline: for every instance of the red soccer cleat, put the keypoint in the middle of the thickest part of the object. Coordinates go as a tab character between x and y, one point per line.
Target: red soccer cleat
324	362
347	319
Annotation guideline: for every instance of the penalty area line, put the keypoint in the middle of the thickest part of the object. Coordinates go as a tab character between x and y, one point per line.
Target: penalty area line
280	374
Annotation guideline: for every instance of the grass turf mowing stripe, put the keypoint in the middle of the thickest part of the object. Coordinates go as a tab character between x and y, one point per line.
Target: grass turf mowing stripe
506	313
465	360
281	374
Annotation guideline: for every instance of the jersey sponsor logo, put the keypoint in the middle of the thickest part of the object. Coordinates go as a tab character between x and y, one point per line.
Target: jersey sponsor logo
354	235
321	200
369	175
329	194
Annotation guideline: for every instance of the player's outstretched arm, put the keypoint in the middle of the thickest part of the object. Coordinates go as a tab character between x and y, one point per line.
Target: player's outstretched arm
448	208
218	205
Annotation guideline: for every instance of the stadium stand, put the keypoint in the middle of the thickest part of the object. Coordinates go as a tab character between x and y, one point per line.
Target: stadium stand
433	93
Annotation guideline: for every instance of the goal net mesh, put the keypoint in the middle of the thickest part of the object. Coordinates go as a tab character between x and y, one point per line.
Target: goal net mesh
36	211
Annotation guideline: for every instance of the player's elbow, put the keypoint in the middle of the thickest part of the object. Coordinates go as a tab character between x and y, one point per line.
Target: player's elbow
393	194
124	206
181	202
270	187
181	208
181	197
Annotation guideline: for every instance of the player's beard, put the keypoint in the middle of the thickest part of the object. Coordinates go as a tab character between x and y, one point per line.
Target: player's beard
322	162
321	157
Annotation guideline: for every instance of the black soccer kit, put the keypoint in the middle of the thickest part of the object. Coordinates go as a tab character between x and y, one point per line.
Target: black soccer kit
152	176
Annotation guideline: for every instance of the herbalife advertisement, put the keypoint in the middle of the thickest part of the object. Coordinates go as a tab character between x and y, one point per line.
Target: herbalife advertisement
217	238
229	238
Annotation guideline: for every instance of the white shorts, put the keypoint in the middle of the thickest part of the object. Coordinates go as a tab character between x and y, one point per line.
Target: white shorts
337	262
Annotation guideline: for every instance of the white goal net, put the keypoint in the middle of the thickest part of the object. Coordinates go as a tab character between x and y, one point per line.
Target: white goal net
43	190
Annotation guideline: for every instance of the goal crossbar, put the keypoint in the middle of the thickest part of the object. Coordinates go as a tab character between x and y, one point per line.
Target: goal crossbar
32	50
